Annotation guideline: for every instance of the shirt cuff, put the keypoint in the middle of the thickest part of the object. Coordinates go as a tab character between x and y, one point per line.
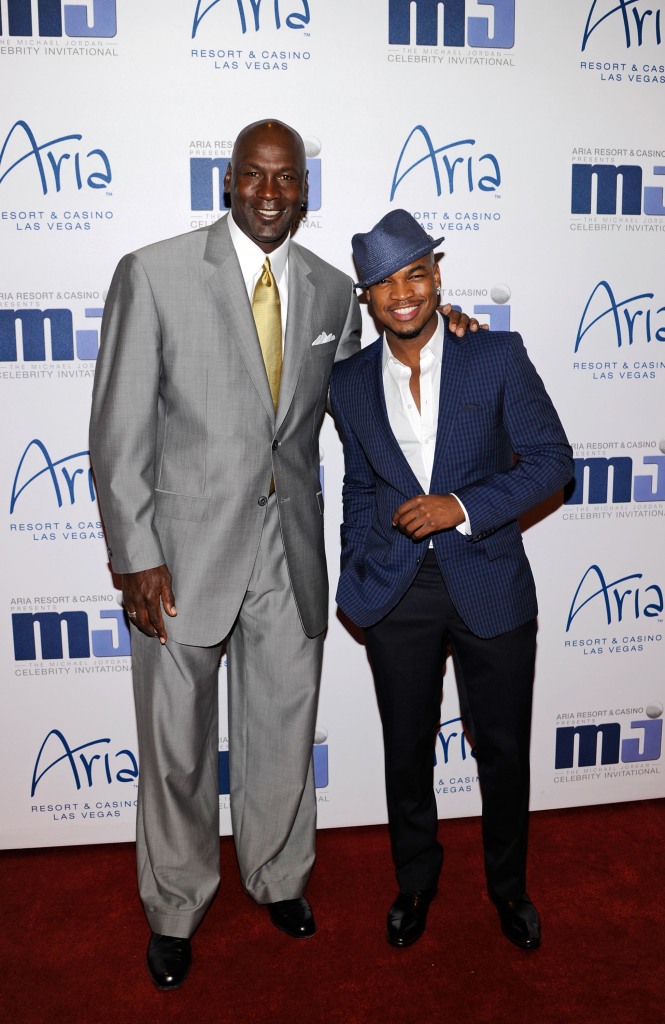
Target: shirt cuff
465	527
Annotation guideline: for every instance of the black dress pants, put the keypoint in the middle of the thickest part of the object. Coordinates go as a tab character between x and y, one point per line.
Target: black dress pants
407	650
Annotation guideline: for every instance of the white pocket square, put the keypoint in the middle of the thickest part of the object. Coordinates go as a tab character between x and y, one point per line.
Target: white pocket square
323	339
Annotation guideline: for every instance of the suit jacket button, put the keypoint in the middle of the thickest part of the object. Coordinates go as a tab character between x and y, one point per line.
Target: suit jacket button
275	445
263	500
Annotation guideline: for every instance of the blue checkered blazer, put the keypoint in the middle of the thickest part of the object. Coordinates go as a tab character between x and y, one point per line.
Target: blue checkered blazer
492	404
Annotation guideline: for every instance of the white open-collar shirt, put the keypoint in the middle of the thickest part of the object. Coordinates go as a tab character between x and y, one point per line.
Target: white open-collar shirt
415	431
251	258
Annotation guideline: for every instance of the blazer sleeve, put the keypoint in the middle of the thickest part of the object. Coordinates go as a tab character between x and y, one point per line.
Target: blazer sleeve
123	423
544	457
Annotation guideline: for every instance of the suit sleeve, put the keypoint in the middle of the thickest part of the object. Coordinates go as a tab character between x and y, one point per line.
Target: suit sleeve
358	489
123	424
544	457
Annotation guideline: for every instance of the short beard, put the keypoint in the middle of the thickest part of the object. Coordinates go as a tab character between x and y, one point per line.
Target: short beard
409	335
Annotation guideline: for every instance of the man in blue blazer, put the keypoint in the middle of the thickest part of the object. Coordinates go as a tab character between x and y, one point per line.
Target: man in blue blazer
447	442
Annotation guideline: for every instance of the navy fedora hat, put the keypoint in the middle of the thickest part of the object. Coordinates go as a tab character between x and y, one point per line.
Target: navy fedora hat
393	243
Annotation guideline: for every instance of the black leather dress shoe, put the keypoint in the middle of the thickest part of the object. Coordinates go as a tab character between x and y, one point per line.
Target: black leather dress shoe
293	917
519	921
169	960
408	916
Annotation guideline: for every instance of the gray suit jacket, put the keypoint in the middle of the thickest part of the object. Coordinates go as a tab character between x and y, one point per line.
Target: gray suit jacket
183	435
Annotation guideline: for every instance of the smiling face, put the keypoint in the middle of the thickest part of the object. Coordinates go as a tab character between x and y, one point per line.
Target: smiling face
267	182
405	303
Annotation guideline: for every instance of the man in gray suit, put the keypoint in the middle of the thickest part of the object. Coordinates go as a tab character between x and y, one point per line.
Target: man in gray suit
209	487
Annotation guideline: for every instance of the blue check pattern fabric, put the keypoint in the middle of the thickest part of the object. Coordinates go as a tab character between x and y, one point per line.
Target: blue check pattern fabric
500	447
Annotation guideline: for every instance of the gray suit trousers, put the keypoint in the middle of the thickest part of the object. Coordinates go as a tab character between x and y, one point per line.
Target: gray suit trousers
274	672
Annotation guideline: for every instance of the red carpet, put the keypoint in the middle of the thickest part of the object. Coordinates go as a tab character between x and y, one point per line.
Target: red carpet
73	936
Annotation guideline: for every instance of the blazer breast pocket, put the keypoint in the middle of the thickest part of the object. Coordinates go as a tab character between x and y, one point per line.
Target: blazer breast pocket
323	351
471	412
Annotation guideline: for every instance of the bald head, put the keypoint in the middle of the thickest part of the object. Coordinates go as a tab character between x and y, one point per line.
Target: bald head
266	130
267	181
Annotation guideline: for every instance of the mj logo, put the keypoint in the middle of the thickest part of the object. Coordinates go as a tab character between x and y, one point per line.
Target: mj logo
82	641
25	330
77	20
606	179
455	23
613	748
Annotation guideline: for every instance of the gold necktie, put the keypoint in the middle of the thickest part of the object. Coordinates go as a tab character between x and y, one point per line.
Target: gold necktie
268	320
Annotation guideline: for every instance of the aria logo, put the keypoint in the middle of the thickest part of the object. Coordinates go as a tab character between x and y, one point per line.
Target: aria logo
292	14
458	27
64	162
450	168
612	601
81	21
624	319
630	22
453	743
86	765
67	479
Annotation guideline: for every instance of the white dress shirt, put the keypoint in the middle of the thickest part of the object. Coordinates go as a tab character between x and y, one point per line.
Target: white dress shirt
251	258
415	431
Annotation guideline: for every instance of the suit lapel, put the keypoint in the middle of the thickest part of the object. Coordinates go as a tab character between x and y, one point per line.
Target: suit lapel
453	376
228	288
298	332
373	381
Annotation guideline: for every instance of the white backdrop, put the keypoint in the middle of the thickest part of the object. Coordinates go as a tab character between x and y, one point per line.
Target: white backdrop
531	136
